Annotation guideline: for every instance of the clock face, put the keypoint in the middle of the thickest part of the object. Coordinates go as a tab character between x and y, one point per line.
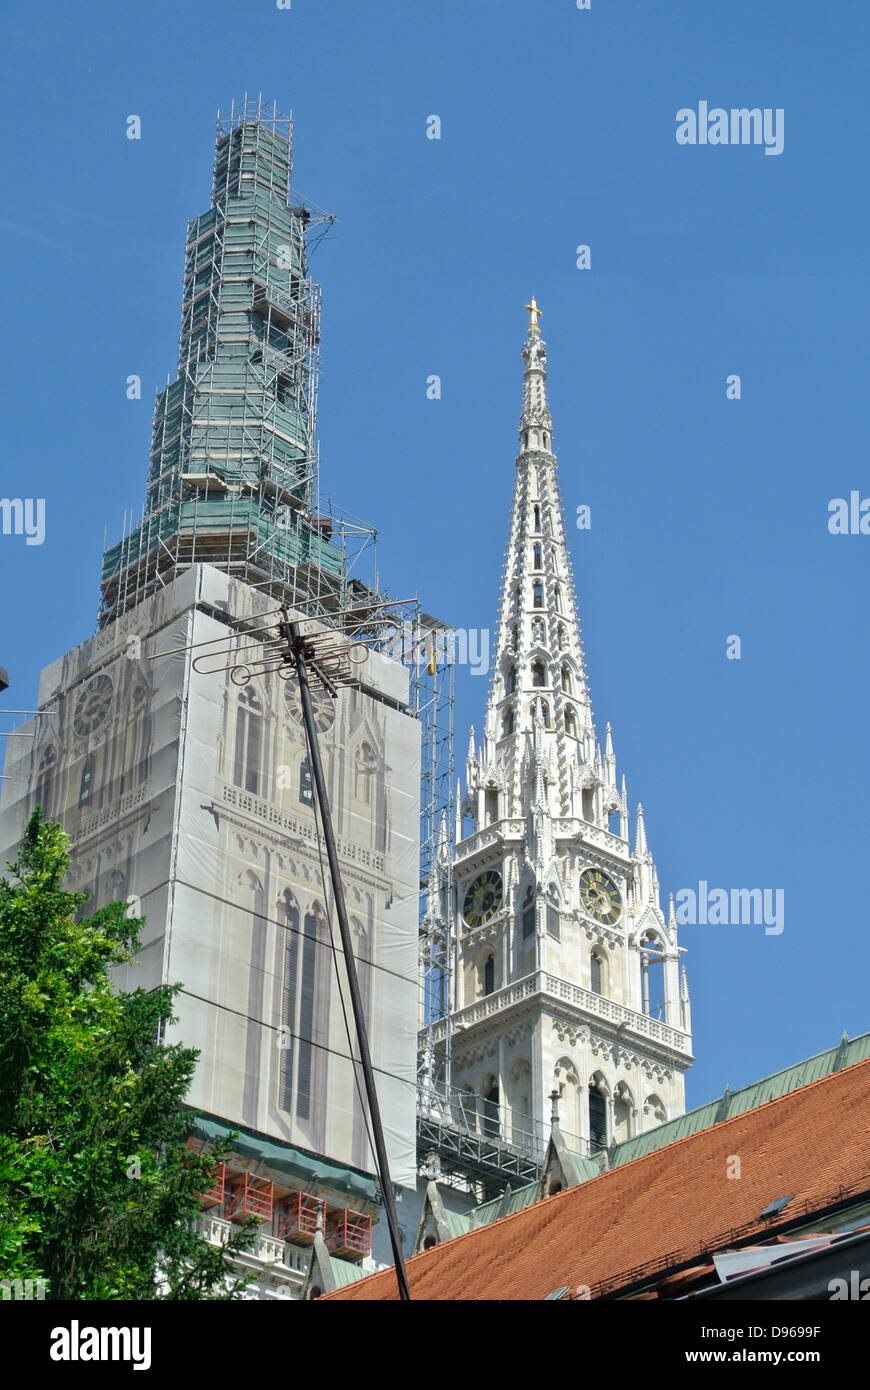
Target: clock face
600	896
322	704
94	704
483	899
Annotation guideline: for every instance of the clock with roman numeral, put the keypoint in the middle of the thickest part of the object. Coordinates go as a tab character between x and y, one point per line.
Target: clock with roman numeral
94	704
600	896
483	899
321	702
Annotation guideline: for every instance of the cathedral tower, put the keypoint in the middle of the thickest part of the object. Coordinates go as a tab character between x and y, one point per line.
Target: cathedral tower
567	972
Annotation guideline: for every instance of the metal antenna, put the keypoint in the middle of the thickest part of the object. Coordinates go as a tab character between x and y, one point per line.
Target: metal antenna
330	654
301	651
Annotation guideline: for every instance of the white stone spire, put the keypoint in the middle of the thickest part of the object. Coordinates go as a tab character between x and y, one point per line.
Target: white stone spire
538	661
556	918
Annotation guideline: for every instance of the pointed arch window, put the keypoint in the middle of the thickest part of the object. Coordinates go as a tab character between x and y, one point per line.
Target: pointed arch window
491	1107
570	722
537	561
557	597
536	518
596	972
306	789
528	912
249	739
537	594
566	680
510	679
553	915
45	780
652	974
545	712
597	1119
539	674
86	781
507	723
488	981
290	913
546	440
364	764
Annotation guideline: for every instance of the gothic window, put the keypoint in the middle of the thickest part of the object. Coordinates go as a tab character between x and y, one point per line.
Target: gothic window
588	804
45	779
538	632
364	770
552	915
537	595
490	1107
654	1112
249	737
614	822
510	680
536	556
570	722
545	712
539	674
489	974
308	981
652	972
566	681
596	972
520	1091
515	638
529	912
304	1005
537	517
507	723
546	440
623	1108
597	1119
86	780
306	789
290	913
561	638
491	802
557	597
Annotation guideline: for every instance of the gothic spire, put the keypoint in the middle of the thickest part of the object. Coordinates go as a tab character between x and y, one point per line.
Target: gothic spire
539	665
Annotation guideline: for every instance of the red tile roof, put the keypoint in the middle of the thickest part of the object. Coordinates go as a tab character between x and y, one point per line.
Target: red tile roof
664	1209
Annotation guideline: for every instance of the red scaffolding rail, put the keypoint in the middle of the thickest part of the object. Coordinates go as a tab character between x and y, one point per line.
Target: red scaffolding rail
215	1195
250	1196
297	1218
349	1235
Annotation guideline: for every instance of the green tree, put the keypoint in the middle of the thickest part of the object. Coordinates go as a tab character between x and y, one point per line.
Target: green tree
98	1188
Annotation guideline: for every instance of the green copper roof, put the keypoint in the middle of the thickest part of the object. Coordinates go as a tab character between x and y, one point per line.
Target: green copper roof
733	1103
294	1163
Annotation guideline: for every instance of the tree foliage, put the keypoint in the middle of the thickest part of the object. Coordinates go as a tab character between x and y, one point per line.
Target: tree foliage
98	1188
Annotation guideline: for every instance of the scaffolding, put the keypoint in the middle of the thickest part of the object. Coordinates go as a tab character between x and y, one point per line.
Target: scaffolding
234	469
233	481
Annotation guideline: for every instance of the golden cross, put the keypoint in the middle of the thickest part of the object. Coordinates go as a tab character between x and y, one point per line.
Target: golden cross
534	311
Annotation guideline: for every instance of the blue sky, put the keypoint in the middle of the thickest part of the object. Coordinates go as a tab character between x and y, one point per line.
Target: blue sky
709	517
